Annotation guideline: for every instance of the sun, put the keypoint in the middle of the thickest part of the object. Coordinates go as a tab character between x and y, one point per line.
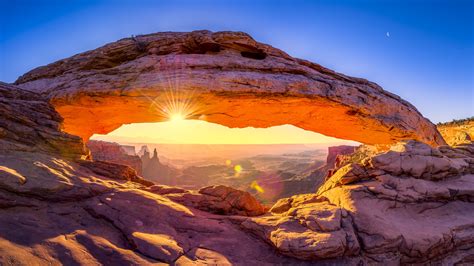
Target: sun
177	117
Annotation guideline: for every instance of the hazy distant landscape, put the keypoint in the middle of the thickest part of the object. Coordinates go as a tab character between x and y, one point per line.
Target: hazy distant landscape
268	172
184	155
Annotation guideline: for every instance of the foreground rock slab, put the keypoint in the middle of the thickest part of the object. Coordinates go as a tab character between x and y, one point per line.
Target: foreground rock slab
223	77
56	208
412	204
215	199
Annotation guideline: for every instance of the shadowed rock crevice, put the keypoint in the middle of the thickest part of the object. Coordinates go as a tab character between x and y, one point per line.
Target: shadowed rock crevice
28	123
258	55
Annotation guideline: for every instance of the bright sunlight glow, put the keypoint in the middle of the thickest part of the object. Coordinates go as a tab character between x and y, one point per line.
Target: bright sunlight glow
177	117
179	130
182	114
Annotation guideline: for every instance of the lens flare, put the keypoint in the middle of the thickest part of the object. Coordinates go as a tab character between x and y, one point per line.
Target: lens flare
238	168
269	186
257	187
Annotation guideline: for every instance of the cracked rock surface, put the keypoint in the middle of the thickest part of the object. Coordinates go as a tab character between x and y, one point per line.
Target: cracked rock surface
215	199
410	204
57	209
226	78
28	123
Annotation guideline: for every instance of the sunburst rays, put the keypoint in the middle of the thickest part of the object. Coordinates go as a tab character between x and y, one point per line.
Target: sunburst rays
174	102
177	104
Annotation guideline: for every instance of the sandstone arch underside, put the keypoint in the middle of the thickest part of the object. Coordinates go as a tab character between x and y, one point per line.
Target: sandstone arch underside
226	78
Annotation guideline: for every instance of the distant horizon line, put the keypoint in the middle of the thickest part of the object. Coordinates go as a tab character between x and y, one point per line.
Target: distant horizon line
138	143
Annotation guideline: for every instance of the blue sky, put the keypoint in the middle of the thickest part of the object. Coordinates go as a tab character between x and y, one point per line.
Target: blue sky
427	59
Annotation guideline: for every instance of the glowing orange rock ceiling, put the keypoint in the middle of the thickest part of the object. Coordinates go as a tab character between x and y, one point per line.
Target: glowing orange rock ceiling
226	78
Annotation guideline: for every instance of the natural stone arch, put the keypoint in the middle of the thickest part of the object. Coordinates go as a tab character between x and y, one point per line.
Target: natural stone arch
227	78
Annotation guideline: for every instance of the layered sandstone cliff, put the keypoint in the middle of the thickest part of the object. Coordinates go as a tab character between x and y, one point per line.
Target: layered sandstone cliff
29	124
317	175
40	161
114	153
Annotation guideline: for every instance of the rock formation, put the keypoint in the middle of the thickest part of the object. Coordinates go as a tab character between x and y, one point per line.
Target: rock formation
149	167
410	204
38	160
215	199
223	77
114	153
29	124
144	149
458	132
56	208
335	153
128	149
155	171
316	175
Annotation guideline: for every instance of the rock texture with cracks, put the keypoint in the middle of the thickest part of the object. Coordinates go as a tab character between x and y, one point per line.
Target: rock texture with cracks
59	209
28	123
410	204
223	77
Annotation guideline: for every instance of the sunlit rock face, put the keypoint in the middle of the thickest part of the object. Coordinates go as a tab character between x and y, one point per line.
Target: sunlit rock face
226	78
403	202
335	157
317	174
411	204
458	133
